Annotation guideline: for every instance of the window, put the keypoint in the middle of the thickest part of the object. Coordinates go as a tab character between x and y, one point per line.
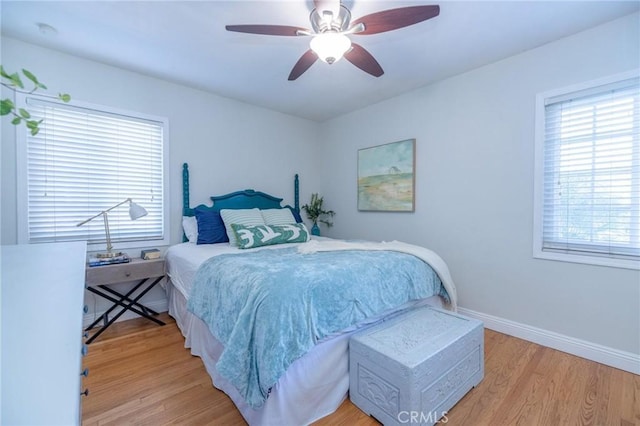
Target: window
588	173
84	160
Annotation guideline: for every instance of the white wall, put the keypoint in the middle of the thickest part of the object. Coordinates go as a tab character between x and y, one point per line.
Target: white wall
229	145
474	187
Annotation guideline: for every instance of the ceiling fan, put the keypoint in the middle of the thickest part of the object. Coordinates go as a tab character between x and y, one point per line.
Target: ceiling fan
331	23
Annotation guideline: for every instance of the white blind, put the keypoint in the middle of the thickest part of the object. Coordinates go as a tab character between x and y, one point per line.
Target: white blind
84	161
592	172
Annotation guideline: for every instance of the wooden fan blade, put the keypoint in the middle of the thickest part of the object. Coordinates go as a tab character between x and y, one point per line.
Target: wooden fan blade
393	19
362	59
303	64
276	30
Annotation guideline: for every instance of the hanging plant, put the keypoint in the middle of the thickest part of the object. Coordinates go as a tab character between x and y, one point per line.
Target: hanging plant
7	107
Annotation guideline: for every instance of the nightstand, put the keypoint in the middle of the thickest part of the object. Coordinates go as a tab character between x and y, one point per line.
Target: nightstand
148	273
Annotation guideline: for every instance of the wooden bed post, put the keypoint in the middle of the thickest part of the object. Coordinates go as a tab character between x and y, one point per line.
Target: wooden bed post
296	194
185	188
185	195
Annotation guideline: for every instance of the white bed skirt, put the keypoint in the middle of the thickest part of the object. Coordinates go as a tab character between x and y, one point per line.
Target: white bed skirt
313	387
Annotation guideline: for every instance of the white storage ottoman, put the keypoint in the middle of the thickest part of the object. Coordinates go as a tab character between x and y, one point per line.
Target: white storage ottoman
415	367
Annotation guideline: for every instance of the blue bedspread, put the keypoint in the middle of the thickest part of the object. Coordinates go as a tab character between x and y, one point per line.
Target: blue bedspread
270	307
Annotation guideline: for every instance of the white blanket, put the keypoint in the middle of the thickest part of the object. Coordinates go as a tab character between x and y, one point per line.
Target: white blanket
425	254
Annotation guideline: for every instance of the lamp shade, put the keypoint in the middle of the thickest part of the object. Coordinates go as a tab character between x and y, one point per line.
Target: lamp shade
136	211
330	46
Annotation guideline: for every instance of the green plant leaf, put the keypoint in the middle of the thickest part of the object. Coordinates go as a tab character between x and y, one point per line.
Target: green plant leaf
6	106
30	76
33	79
35	131
16	81
64	97
3	73
32	124
24	113
16	121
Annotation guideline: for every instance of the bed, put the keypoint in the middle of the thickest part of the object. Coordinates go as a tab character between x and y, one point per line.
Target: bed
307	376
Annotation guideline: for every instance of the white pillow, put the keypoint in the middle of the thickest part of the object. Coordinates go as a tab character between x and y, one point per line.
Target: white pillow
246	217
278	216
190	228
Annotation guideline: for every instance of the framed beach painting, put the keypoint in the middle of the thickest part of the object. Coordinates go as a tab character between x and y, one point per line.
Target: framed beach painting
386	177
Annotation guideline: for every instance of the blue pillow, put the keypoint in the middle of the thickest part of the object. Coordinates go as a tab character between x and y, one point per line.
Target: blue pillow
211	228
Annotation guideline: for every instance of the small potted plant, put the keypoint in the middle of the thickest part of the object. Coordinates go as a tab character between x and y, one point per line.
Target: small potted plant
315	212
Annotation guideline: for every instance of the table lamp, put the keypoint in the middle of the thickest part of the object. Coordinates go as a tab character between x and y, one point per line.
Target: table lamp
136	211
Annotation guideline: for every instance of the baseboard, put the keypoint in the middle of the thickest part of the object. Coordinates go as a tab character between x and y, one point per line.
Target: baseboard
623	360
157	305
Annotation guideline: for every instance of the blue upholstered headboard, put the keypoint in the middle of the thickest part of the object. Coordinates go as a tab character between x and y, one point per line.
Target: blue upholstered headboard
247	199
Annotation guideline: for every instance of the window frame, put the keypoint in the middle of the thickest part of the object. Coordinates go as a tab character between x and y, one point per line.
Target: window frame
22	174
538	191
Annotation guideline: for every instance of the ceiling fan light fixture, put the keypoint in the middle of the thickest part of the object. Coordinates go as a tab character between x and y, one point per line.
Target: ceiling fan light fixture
330	46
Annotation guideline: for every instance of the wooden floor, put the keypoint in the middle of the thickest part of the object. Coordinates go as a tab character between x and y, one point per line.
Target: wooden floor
141	374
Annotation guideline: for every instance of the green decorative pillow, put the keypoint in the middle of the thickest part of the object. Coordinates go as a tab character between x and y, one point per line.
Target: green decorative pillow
247	217
266	235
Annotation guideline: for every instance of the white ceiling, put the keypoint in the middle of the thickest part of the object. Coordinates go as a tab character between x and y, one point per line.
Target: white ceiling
186	42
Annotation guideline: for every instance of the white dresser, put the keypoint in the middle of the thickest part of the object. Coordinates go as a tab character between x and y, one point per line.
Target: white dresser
42	290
